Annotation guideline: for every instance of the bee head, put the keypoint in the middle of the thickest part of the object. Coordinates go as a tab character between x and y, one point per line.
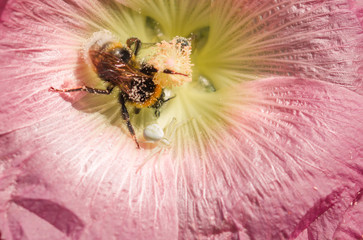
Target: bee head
121	53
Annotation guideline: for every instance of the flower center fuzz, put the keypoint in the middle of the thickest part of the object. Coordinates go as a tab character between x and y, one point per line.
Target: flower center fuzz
190	106
189	98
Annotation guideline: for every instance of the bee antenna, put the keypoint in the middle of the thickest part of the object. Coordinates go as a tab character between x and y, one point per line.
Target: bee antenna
167	71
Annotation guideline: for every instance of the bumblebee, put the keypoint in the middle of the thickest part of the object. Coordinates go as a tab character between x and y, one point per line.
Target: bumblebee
116	64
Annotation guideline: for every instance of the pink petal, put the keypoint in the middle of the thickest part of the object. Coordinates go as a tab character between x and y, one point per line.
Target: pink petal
2	6
291	159
357	7
53	149
72	183
291	156
351	224
310	39
341	221
34	56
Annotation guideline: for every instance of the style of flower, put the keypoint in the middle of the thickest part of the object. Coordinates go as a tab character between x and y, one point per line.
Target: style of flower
263	143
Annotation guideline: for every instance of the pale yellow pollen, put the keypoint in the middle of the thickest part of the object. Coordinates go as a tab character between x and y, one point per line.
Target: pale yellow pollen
174	58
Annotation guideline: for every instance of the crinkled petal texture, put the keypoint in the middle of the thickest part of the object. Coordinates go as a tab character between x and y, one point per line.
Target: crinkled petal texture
357	7
292	160
285	162
312	39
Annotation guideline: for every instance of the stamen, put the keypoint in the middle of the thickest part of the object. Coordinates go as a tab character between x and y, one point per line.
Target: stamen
172	60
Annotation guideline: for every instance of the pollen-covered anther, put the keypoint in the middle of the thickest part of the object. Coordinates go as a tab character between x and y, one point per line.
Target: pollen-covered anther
172	61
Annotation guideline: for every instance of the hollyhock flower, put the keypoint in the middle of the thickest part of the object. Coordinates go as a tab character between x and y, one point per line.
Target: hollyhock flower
263	143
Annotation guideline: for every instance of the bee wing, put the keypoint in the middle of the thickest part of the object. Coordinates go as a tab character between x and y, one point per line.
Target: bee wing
129	77
125	75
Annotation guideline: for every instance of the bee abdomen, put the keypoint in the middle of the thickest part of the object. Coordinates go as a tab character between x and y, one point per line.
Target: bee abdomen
141	90
144	92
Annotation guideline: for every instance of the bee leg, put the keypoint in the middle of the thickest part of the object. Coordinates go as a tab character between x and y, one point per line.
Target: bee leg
159	104
84	89
135	41
157	113
136	111
166	100
125	116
